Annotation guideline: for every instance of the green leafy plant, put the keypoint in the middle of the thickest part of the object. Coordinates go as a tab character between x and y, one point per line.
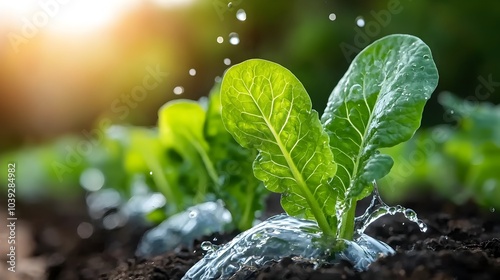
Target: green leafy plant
190	158
323	167
204	158
459	160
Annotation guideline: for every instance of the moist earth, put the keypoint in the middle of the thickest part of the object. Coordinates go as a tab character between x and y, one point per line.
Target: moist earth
462	242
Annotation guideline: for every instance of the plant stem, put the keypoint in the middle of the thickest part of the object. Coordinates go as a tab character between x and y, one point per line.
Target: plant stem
171	193
207	162
347	221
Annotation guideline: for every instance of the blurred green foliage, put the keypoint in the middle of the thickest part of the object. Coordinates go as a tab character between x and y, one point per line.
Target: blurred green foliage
459	161
190	158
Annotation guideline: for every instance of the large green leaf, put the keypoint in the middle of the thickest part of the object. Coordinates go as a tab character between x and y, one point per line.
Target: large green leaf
378	103
265	107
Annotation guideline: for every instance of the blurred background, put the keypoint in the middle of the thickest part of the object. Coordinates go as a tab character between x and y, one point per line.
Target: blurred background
64	65
71	69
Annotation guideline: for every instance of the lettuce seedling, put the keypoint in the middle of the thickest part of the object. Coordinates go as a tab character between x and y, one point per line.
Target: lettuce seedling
209	162
323	167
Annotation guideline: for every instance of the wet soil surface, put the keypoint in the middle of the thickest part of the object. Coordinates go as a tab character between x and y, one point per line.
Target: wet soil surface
461	243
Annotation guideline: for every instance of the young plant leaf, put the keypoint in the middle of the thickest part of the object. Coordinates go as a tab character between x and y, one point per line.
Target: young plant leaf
180	126
265	107
378	103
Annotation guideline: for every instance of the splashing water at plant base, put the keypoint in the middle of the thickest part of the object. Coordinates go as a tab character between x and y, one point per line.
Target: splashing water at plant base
322	167
183	228
282	236
378	208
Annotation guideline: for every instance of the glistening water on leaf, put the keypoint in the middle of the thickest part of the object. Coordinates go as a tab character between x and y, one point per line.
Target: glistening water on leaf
378	103
265	107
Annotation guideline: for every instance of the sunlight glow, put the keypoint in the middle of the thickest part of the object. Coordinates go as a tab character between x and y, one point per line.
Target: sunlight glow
90	15
65	15
173	3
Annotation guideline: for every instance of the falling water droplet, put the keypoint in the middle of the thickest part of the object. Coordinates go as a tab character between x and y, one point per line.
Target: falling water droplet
220	39
178	90
218	79
492	209
192	72
230	5
241	15
227	61
234	39
360	21
332	17
215	239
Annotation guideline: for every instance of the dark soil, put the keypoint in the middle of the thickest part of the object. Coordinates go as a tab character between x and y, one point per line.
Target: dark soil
461	243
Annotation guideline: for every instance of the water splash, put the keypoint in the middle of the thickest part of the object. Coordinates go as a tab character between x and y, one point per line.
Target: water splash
378	208
283	236
183	228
